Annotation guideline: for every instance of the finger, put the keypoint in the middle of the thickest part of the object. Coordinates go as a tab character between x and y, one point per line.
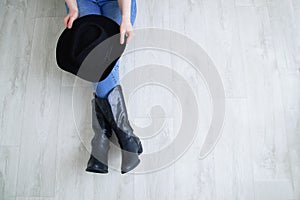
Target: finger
70	23
66	19
122	35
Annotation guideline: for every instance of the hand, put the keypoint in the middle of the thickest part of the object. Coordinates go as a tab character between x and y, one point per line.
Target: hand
126	28
71	16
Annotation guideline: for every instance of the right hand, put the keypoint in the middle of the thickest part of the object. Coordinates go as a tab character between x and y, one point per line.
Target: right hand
70	18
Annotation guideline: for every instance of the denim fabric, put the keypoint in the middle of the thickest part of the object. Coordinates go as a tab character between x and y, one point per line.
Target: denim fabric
108	8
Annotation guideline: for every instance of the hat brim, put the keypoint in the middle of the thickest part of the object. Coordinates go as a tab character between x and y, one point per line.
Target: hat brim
90	73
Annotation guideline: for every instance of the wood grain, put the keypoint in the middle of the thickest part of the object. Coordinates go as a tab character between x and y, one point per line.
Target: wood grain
45	113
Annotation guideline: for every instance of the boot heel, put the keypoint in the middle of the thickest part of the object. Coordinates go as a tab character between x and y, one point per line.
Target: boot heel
129	161
140	148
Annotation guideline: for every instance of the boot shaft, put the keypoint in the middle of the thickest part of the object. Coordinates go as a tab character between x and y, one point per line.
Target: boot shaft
114	110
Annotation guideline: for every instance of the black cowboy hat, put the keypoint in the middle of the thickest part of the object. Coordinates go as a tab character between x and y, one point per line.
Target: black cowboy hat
91	48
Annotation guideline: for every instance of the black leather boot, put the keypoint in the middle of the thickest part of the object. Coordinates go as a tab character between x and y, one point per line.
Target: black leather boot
114	110
100	143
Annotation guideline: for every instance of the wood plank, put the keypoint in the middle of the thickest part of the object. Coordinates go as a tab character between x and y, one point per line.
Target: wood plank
147	18
260	3
232	156
195	177
224	45
290	85
39	129
17	24
9	159
266	121
244	3
54	8
72	181
158	184
34	198
285	29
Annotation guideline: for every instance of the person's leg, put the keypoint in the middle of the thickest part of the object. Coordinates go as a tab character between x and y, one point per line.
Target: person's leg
86	7
111	9
112	102
98	161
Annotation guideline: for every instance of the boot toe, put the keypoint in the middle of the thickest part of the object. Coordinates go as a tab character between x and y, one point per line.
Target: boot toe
130	166
96	166
97	169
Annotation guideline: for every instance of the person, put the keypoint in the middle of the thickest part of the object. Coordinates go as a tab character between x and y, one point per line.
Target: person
108	106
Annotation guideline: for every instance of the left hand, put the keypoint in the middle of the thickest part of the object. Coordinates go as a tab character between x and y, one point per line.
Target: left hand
126	28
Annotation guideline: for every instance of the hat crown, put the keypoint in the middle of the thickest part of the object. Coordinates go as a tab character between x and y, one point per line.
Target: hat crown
75	44
86	37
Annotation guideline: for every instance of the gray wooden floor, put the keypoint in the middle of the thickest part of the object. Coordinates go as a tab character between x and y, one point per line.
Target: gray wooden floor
255	45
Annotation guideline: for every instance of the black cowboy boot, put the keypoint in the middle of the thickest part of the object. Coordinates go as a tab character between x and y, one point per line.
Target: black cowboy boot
100	143
114	110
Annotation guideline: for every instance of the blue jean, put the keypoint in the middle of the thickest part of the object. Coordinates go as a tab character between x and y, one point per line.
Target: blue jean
108	8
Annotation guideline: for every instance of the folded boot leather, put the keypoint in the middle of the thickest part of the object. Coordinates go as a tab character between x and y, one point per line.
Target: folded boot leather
114	111
98	162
